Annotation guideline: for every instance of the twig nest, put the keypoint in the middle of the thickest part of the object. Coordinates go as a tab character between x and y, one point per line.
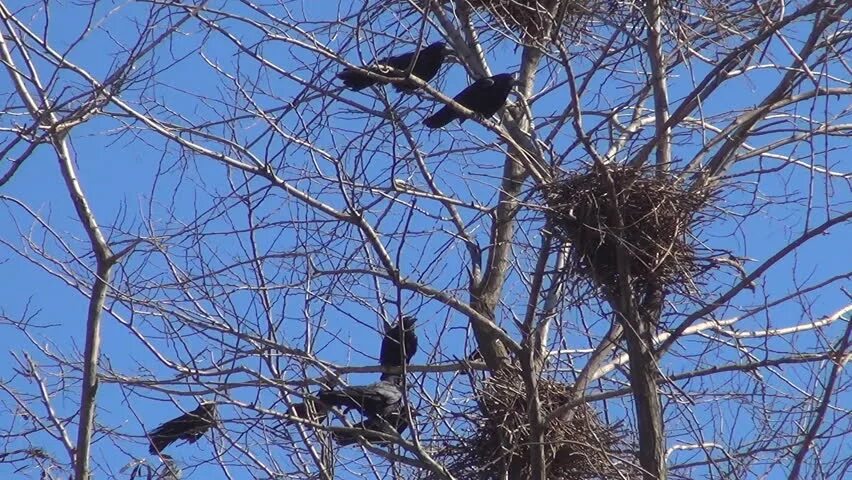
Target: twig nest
579	448
534	17
621	213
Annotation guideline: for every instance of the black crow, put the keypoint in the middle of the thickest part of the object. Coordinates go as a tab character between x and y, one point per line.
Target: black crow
189	426
429	61
377	399
389	424
485	96
399	341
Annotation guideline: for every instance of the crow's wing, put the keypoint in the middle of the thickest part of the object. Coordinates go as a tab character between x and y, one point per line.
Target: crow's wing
495	96
441	118
428	63
410	340
356	80
399	62
481	96
401	334
391	354
374	399
189	427
476	97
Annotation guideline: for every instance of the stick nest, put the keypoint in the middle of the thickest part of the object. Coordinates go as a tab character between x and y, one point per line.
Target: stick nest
533	18
579	20
579	448
617	210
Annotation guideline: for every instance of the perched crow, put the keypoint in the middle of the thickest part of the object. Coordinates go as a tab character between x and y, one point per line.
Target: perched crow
190	427
377	399
390	424
399	341
485	96
429	61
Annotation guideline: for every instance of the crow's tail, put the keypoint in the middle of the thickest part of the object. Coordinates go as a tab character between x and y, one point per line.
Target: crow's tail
309	410
442	118
355	80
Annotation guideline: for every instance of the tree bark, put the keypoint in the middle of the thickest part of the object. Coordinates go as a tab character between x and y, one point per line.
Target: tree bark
530	372
90	372
487	294
639	334
643	382
654	47
104	261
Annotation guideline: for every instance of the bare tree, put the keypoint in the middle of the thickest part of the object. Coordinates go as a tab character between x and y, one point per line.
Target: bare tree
241	228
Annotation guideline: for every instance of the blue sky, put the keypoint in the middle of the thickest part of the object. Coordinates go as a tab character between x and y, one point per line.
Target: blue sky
119	174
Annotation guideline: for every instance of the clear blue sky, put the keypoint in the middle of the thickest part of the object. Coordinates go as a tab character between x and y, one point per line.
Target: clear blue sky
118	174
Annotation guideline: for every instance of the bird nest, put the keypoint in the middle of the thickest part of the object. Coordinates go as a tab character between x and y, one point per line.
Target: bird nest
533	18
709	20
621	213
581	447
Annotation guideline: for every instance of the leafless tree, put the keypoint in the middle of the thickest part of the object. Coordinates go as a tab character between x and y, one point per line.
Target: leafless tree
241	228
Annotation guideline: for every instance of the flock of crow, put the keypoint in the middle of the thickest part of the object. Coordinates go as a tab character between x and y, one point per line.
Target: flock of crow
382	404
485	96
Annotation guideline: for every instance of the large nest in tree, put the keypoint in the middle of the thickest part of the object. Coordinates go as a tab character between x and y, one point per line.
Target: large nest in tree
636	216
533	18
530	19
581	447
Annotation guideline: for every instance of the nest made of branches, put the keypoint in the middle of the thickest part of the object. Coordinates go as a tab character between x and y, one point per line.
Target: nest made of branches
532	18
613	212
529	19
581	447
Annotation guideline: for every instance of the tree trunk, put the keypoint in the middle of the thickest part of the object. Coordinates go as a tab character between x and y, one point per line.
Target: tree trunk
646	398
639	334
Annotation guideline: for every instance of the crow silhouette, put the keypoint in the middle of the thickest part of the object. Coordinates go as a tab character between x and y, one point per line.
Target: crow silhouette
399	341
485	96
189	426
428	63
